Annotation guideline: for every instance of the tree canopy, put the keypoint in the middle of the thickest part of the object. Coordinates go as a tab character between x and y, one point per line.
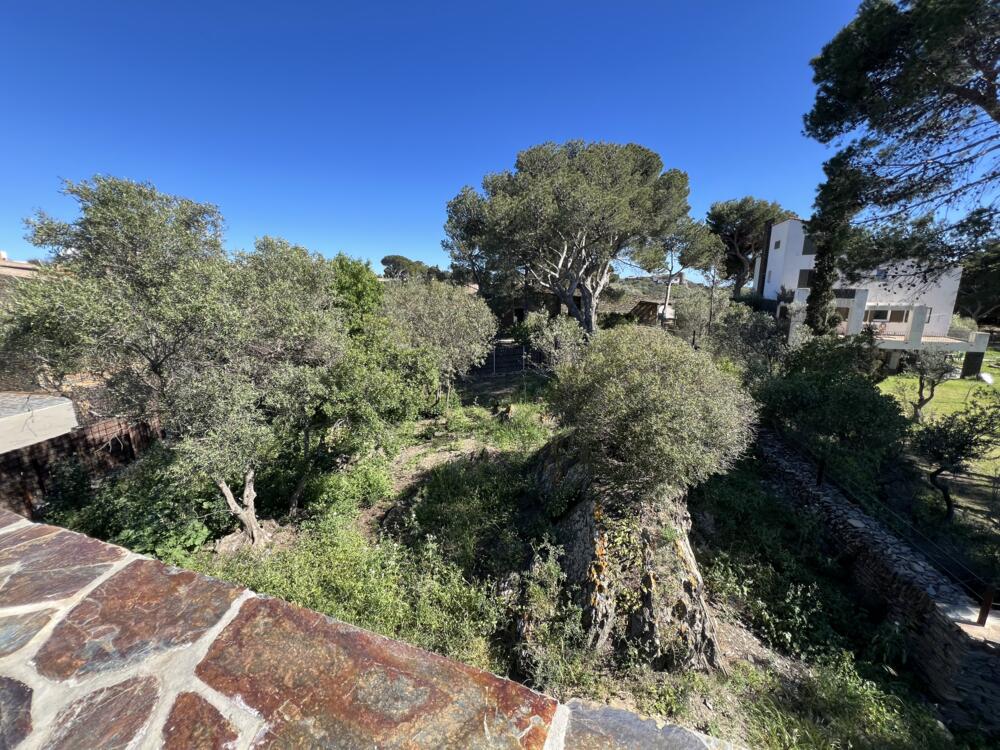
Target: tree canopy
742	226
910	89
564	215
229	355
909	92
650	413
401	267
454	327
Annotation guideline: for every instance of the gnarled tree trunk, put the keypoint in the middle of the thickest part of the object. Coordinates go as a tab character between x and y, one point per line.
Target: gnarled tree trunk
246	511
632	563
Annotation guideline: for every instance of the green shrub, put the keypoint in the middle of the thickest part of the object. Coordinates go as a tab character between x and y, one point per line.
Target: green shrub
836	706
646	411
146	508
553	652
410	594
360	485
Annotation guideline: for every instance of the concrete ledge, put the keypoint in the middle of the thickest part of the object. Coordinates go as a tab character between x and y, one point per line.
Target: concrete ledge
102	648
29	418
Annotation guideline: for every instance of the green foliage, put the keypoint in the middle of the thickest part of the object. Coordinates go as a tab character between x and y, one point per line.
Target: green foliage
685	244
836	705
953	441
979	291
362	485
698	312
413	595
552	651
560	340
769	562
523	430
237	358
565	214
753	341
470	507
401	267
837	414
908	88
742	226
648	412
146	507
452	326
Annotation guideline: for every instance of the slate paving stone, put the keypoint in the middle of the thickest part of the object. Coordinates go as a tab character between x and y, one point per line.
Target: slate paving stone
195	724
109	718
144	609
16	630
15	712
51	564
321	683
8	519
595	727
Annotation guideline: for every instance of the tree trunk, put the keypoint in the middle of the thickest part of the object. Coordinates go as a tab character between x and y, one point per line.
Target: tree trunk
945	491
247	513
631	561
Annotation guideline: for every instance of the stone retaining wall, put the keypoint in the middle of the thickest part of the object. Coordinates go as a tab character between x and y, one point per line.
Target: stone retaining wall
959	660
101	648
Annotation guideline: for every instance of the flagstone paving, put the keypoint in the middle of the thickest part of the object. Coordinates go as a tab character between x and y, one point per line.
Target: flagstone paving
101	648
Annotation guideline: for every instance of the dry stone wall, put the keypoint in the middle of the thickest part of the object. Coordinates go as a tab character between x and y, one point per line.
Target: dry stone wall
102	648
958	659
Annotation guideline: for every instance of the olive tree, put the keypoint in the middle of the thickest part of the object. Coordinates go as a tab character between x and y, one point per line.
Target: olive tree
931	369
454	327
951	443
646	417
232	356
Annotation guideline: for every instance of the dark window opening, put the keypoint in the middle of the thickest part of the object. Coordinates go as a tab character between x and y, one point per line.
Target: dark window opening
805	278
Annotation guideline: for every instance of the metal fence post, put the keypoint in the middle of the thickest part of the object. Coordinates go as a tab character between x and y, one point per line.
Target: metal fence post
984	610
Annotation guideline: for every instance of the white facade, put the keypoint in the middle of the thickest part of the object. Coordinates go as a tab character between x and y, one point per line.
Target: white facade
905	311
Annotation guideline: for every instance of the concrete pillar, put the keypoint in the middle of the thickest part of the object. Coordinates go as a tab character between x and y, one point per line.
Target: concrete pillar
856	320
892	362
918	319
972	364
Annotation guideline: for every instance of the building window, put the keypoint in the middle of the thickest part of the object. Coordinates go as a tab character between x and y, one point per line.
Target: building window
808	247
777	244
899	316
768	277
805	278
928	315
873	315
843	313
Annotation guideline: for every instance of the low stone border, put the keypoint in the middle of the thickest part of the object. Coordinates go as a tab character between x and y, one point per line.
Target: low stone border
959	660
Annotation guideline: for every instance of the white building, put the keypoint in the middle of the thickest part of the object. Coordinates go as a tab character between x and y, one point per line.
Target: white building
906	313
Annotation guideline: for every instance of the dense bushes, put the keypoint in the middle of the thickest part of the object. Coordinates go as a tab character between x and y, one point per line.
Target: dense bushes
646	411
826	398
411	593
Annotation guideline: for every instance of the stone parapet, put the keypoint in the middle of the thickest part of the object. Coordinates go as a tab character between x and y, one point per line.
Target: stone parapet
102	648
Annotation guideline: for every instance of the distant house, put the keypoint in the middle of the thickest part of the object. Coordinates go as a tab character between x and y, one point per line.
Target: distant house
906	313
651	312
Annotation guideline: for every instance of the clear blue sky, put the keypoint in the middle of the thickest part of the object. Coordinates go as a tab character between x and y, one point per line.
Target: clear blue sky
348	129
